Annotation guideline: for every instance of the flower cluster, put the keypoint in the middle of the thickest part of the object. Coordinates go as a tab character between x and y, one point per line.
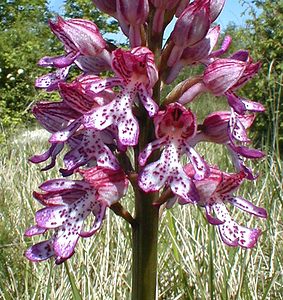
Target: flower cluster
99	119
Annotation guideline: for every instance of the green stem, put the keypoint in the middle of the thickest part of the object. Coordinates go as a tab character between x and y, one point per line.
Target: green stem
145	229
145	248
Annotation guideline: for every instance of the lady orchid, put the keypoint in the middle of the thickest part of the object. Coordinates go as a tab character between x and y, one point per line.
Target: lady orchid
214	192
116	128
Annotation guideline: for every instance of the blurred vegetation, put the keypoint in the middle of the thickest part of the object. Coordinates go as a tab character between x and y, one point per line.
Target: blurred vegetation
263	36
25	37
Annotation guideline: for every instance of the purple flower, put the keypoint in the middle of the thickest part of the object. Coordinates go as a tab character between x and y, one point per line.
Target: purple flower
230	129
217	190
67	204
222	77
83	45
174	128
136	75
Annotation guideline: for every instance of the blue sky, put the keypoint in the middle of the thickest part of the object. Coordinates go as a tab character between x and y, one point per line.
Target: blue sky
232	12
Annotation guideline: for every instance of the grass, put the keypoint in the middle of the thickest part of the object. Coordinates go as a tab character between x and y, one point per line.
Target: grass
193	262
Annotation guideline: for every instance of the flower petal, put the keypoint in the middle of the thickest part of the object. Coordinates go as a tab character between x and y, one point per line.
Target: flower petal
153	177
154	145
58	185
91	148
147	101
98	210
51	217
200	166
40	251
233	234
50	81
247	206
34	230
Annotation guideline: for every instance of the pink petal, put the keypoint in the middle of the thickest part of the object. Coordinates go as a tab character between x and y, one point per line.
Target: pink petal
99	212
156	144
34	230
40	251
153	176
147	101
60	198
233	234
200	166
247	206
119	113
50	81
51	217
182	186
66	133
91	148
211	218
222	74
58	185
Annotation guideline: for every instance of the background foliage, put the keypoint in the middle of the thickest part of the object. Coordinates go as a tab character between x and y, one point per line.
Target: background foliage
263	36
25	37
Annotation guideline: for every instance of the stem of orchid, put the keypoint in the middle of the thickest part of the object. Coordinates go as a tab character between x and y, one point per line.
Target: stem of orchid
145	247
145	231
119	210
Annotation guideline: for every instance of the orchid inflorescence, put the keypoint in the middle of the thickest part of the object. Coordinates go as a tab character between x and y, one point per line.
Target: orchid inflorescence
102	117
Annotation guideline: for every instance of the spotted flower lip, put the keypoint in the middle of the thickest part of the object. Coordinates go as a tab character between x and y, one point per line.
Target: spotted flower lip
136	75
174	128
67	204
214	192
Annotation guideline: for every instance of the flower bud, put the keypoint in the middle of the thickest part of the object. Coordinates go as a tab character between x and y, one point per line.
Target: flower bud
216	7
79	36
107	6
133	14
191	27
223	74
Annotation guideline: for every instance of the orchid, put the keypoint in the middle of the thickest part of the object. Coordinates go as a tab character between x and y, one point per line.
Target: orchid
217	190
136	74
229	128
115	128
84	46
67	204
222	77
173	128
